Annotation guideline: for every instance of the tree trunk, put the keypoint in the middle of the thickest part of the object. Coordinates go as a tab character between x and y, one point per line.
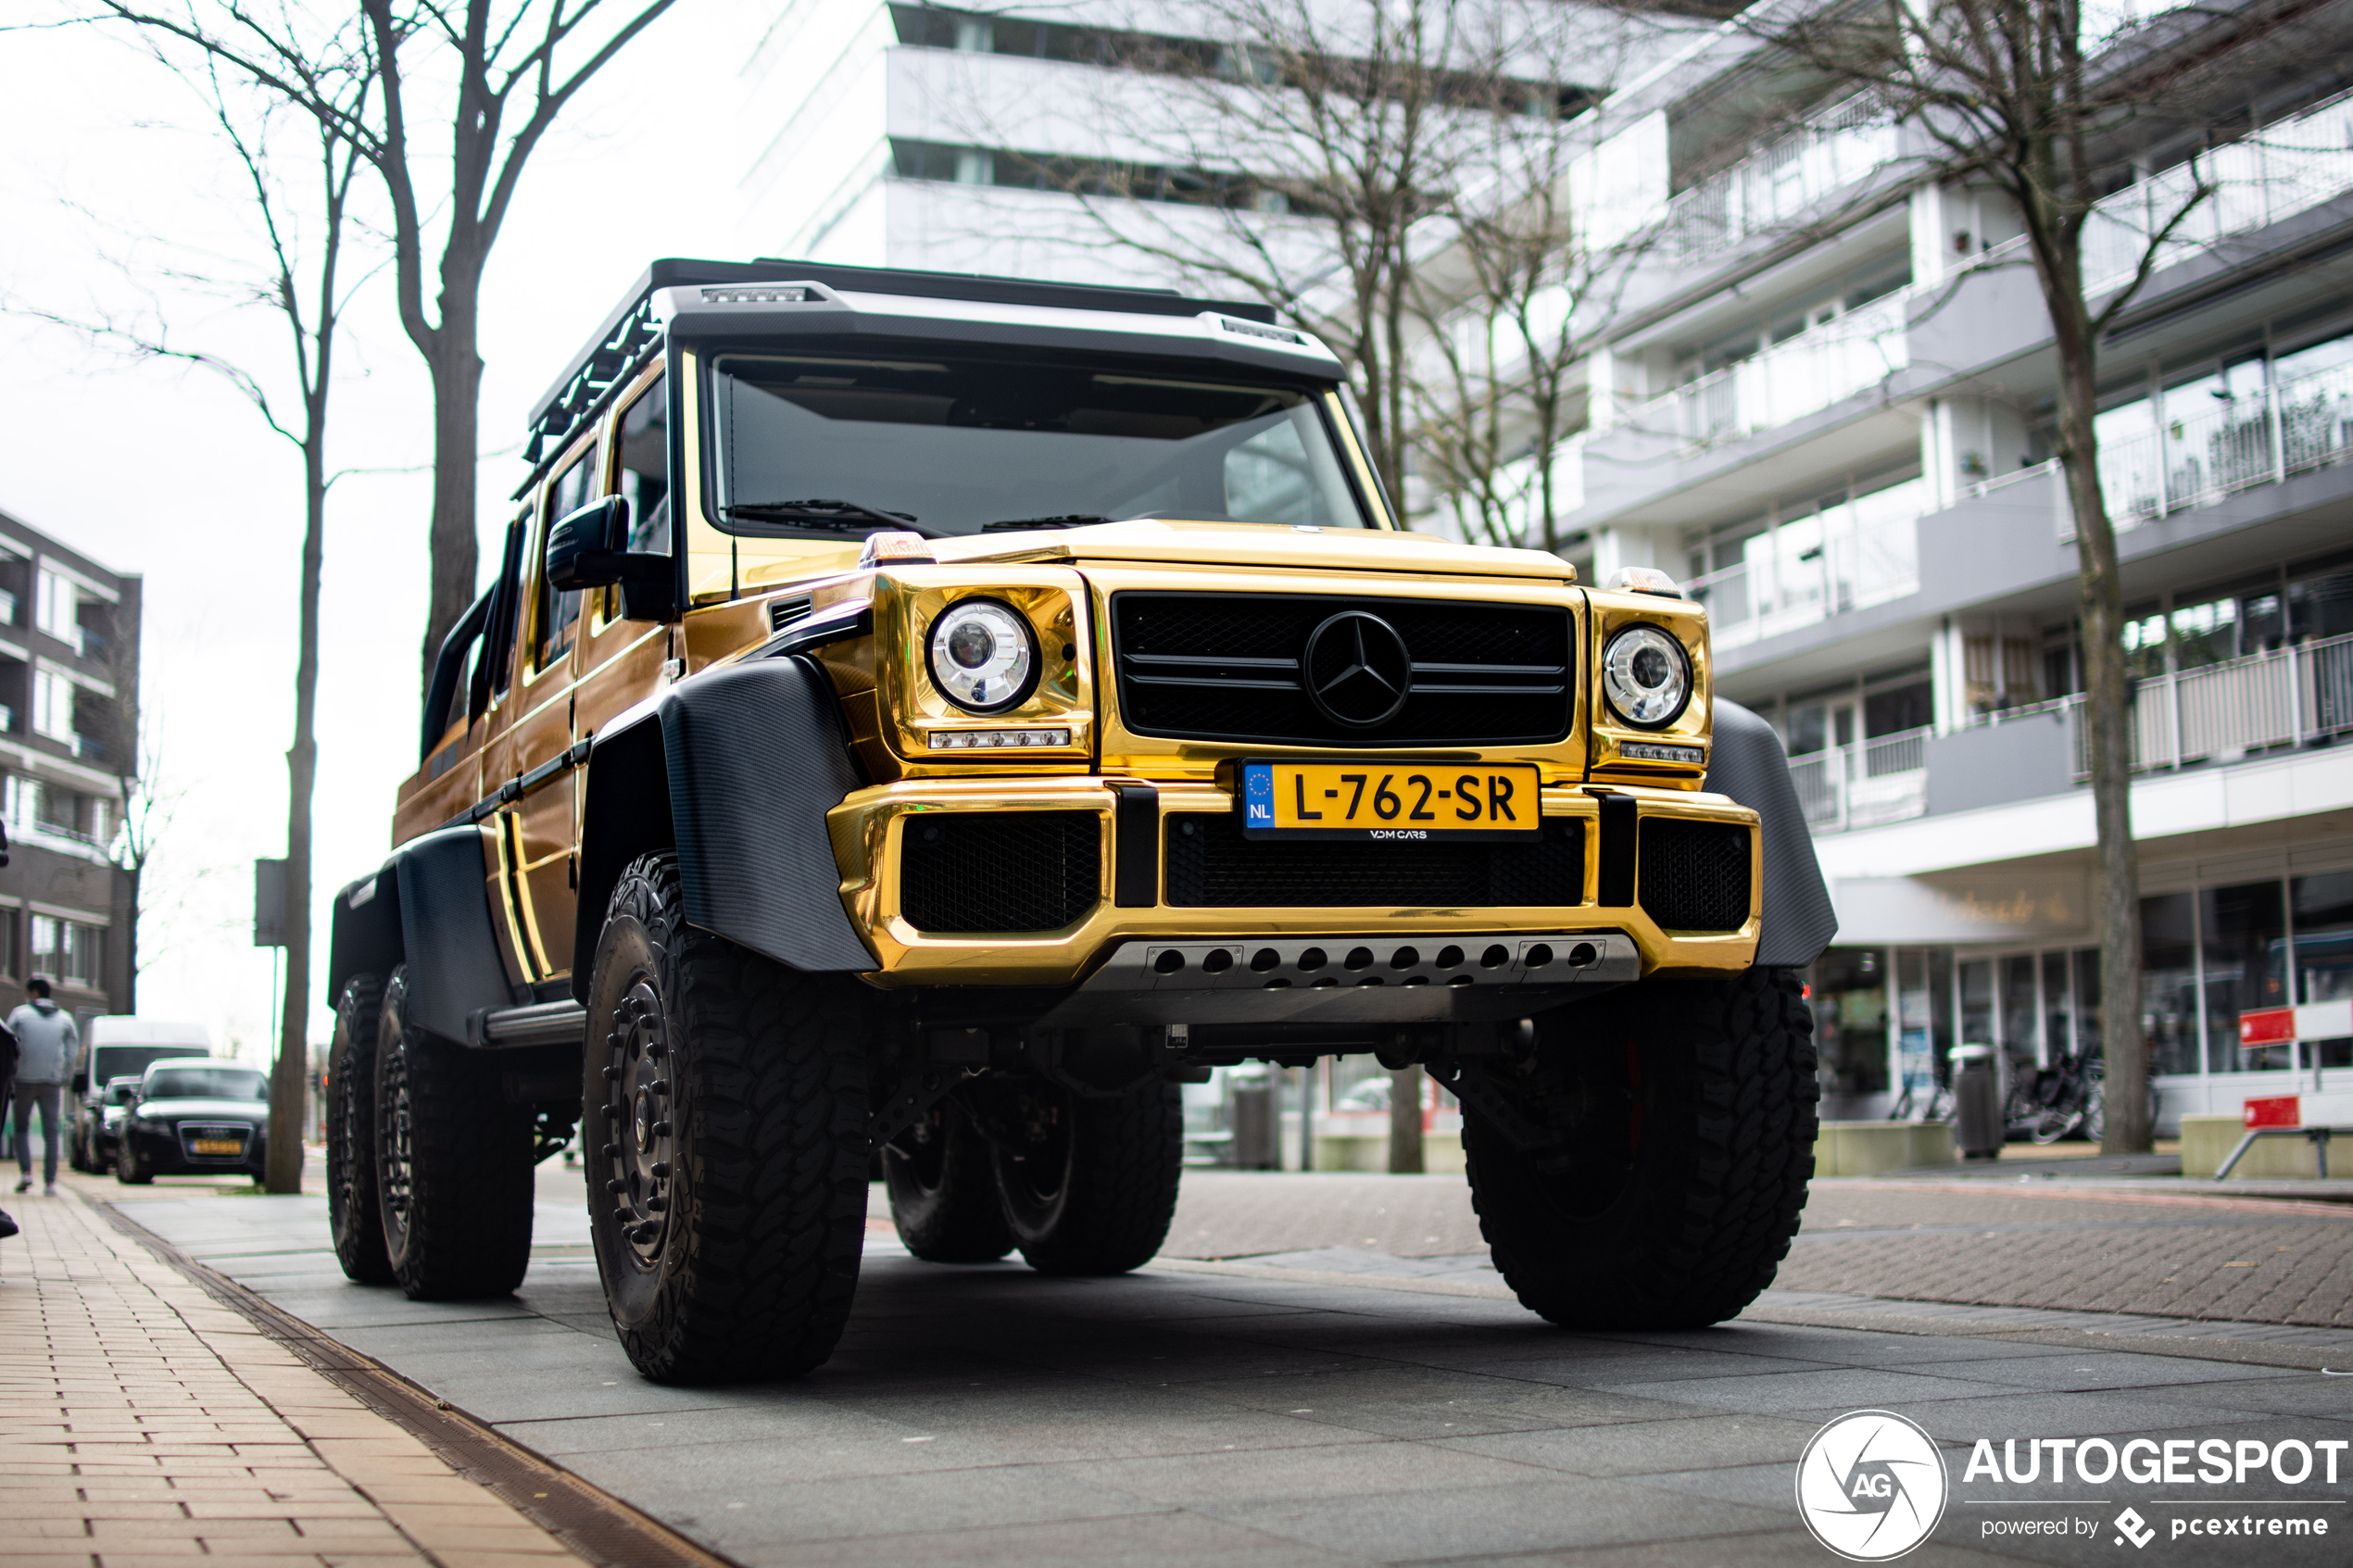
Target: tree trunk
130	944
2108	720
1406	1122
456	368
290	1080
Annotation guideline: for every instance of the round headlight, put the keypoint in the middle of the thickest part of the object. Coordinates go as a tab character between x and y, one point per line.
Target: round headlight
1647	676
982	656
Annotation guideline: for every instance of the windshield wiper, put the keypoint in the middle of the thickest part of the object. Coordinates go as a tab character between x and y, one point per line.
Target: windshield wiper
827	514
1013	525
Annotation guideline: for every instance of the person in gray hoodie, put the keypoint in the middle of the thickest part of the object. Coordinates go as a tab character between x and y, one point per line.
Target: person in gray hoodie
48	1047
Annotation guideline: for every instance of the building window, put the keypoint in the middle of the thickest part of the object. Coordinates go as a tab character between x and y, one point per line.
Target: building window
68	951
53	704
56	606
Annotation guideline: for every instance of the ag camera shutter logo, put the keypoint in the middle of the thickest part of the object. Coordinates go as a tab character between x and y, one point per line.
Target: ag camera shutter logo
1872	1486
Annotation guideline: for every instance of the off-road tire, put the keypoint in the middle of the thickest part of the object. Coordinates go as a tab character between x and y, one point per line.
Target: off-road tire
726	1153
1690	1110
353	1217
942	1180
1089	1184
453	1162
129	1169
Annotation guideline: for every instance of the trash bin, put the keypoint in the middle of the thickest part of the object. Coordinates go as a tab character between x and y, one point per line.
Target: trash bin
1257	1144
1977	1103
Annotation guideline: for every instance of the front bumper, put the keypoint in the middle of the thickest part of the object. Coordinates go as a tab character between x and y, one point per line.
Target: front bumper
869	834
167	1151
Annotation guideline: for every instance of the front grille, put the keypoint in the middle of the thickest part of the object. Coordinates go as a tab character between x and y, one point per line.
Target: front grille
1694	875
1227	667
1000	871
1210	865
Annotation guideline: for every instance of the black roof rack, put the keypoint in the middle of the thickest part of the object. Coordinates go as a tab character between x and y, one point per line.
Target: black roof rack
627	339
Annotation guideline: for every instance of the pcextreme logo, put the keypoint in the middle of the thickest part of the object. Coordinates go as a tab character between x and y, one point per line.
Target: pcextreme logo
1870	1485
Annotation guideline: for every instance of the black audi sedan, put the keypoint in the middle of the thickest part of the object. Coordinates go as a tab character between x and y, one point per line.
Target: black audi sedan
190	1118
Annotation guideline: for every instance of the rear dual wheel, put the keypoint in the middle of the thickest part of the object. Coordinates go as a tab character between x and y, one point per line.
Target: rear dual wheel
1082	1183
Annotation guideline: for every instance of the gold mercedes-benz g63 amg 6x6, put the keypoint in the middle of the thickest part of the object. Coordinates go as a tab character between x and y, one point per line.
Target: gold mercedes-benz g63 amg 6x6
941	715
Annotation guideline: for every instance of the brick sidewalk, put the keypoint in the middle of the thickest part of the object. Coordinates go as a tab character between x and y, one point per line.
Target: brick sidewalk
141	1422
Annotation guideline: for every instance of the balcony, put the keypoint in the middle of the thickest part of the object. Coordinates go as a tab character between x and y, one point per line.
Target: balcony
1839	559
2289	427
1773	187
1884	780
2223	712
2278	172
1802	376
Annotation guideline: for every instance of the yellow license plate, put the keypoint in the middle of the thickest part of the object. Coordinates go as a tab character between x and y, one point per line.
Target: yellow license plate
1390	802
216	1146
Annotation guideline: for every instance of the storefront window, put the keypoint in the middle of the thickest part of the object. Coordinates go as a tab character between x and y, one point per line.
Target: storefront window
2087	1001
2058	1011
2021	1036
1850	1020
1977	1003
2244	930
2323	907
2169	982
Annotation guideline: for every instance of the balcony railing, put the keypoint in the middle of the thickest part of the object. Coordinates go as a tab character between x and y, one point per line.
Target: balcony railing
2288	428
1777	182
1884	780
2276	172
1790	379
2225	711
1857	560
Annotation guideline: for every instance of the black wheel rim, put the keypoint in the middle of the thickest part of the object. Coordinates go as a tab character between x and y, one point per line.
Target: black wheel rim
395	1162
1037	1164
640	1151
918	1157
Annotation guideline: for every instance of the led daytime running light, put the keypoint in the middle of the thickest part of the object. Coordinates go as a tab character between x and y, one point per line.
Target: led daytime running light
996	740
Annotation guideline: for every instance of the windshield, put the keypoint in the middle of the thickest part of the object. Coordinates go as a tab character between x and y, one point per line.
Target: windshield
955	444
208	1082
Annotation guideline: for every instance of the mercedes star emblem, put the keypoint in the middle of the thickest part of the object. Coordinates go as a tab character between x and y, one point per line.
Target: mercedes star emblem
1356	669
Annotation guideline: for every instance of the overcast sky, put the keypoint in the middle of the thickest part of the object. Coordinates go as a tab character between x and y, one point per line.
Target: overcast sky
109	191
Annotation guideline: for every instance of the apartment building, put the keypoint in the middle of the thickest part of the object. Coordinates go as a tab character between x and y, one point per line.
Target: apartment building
68	677
1824	404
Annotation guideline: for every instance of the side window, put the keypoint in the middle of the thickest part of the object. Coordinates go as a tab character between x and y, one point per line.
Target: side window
645	468
559	613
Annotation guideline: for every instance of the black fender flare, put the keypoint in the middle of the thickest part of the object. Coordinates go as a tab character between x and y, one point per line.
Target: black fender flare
1746	763
427	906
736	771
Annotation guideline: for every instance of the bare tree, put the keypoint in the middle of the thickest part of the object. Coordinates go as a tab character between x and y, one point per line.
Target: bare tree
289	134
505	66
2055	108
510	88
1506	312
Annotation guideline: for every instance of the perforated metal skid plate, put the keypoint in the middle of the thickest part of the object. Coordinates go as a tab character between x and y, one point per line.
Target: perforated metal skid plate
1384	978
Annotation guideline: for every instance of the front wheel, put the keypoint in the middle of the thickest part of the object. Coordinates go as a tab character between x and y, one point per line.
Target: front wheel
129	1169
1089	1183
1684	1111
724	1142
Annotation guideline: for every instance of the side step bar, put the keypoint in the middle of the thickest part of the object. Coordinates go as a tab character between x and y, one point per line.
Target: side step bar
547	1023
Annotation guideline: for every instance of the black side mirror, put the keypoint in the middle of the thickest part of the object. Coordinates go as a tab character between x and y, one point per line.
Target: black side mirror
589	548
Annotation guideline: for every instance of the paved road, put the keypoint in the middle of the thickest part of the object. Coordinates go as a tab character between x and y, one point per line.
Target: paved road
1280	1412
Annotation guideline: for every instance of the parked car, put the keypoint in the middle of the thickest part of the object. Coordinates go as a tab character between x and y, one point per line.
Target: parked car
99	1125
187	1117
116	1047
